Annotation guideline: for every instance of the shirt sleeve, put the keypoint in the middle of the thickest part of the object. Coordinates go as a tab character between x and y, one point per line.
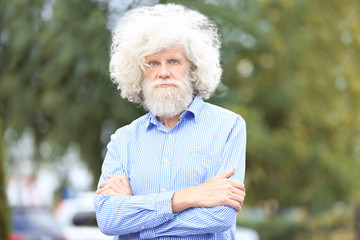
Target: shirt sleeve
195	221
128	214
151	215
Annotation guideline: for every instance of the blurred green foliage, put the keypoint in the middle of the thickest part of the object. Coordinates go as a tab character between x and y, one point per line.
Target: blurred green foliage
54	77
277	228
333	224
291	69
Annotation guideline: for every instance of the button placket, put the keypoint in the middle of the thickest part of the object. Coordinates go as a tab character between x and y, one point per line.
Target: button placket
165	163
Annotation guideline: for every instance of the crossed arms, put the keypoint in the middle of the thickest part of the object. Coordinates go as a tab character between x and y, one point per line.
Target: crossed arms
209	207
215	200
217	191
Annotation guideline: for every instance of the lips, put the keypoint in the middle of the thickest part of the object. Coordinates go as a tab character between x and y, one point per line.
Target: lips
165	85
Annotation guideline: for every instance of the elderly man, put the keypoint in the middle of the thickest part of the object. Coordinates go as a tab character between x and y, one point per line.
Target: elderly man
176	172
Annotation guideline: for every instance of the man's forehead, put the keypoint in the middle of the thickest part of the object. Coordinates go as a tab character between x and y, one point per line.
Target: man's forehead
176	50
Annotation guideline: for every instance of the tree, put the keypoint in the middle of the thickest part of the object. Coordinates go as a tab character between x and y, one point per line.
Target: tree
4	211
54	72
290	69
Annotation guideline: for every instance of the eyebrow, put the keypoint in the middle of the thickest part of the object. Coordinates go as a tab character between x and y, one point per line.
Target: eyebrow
177	57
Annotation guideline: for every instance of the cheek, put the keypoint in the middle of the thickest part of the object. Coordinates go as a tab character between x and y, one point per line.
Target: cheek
150	74
180	73
184	70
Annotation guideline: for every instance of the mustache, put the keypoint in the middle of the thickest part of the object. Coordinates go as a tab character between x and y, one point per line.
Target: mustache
160	82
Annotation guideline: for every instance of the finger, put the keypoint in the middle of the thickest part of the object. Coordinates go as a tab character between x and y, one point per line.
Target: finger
116	183
107	182
101	190
119	180
238	192
234	204
115	175
239	198
227	173
110	177
114	193
114	180
101	185
122	188
108	185
237	184
108	192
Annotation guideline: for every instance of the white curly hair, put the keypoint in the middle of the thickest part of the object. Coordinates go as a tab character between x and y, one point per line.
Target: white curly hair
147	30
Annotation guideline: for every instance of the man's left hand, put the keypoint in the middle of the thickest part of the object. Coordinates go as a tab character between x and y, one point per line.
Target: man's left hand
116	185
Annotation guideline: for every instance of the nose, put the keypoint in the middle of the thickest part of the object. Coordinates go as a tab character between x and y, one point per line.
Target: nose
164	72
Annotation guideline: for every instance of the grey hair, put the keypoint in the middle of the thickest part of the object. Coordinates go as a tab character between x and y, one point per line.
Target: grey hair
147	30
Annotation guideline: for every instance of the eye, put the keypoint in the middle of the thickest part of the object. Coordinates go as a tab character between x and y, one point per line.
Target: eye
174	61
153	64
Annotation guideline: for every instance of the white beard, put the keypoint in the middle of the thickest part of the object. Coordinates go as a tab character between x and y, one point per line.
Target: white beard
168	101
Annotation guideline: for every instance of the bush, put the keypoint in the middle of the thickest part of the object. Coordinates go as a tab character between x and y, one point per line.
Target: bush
275	228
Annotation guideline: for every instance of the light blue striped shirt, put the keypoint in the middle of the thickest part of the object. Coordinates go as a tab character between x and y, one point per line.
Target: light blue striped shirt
207	141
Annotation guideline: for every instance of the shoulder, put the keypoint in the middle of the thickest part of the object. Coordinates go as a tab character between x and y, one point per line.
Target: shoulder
130	130
214	113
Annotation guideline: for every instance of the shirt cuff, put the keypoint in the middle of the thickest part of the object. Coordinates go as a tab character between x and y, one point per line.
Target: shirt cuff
164	213
164	206
148	234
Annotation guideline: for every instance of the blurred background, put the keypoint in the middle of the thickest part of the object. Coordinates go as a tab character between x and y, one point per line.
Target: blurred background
291	69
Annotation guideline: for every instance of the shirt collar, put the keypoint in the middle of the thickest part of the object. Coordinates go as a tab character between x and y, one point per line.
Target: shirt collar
193	110
151	120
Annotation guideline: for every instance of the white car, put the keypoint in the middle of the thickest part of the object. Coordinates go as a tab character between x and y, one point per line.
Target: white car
246	234
78	220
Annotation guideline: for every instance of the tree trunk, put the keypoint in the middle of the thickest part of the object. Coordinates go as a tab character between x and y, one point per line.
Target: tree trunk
4	211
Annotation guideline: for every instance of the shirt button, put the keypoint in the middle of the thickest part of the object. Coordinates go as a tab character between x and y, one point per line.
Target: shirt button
142	227
167	218
164	189
165	160
170	135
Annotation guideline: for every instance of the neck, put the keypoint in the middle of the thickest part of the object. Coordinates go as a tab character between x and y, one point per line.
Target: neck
170	122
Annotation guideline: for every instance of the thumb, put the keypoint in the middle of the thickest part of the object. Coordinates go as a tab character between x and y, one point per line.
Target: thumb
227	173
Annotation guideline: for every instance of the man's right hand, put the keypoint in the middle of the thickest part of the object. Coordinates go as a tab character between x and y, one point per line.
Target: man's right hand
116	185
217	191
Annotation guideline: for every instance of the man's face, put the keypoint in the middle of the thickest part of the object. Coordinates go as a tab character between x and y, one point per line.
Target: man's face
167	64
167	88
